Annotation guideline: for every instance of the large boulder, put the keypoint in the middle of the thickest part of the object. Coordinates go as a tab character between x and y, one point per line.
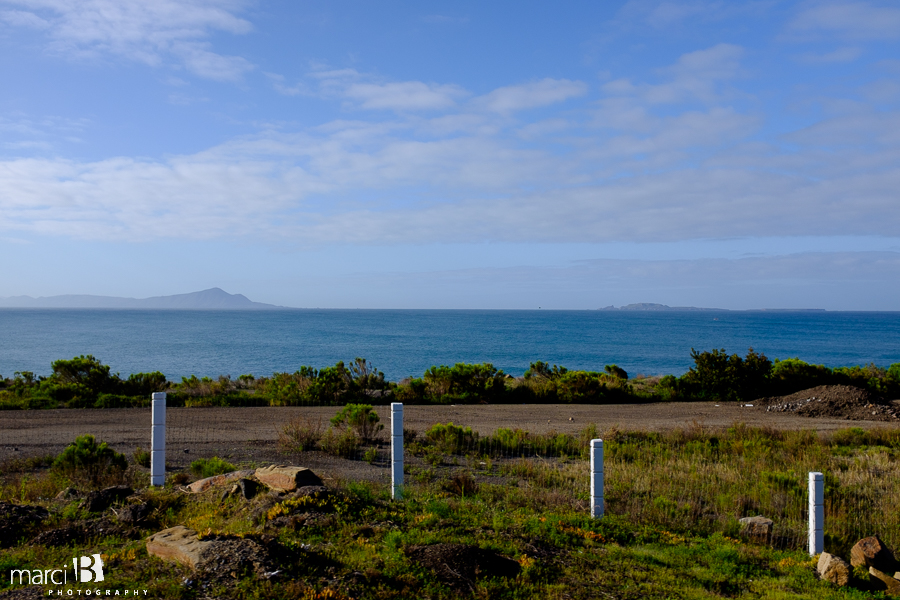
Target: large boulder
222	558
201	485
757	529
834	569
178	544
285	479
872	552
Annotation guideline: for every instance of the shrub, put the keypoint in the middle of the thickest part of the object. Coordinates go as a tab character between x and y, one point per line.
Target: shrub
340	442
141	457
207	467
91	461
300	434
361	419
451	439
718	376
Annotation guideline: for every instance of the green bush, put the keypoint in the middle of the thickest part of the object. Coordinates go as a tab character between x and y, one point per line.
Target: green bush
207	467
361	419
718	376
88	460
451	439
141	457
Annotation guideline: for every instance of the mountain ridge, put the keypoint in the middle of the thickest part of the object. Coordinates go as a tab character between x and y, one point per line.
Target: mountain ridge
211	299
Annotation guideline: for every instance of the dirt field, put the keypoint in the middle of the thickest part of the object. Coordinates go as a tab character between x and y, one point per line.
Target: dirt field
25	433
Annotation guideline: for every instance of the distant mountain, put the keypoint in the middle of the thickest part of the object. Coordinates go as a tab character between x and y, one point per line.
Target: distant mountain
656	307
214	298
649	306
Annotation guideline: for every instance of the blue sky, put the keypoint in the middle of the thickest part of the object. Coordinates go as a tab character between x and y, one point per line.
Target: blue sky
453	154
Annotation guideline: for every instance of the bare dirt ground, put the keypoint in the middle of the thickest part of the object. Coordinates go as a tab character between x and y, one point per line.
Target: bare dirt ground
25	433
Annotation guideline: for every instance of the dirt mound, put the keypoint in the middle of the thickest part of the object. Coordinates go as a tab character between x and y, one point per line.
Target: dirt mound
836	402
17	519
458	565
230	559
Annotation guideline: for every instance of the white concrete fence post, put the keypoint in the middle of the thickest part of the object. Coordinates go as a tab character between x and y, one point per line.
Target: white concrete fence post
158	439
816	513
597	506
397	450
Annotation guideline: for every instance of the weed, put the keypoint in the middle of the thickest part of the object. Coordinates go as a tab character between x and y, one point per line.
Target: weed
141	457
300	434
207	467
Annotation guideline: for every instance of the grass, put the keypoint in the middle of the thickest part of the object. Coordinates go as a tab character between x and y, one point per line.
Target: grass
671	528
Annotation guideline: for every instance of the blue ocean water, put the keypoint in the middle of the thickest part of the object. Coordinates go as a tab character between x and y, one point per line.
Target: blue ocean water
407	342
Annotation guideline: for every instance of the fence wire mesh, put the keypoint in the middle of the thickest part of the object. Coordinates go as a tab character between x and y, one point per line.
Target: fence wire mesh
688	479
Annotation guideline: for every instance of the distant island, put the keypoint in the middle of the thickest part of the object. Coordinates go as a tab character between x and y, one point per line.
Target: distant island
649	306
211	299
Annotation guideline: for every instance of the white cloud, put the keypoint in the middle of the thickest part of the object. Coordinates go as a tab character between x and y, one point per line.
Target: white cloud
532	95
845	54
850	20
148	32
404	95
695	76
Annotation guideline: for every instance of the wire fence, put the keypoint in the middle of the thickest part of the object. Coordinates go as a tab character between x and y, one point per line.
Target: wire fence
681	480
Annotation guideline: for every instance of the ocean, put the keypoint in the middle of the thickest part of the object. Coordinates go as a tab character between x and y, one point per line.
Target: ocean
402	343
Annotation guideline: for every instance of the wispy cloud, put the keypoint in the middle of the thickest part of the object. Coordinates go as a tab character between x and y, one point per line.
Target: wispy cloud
848	20
532	95
150	32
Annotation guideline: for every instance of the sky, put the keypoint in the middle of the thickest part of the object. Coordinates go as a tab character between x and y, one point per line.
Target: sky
522	155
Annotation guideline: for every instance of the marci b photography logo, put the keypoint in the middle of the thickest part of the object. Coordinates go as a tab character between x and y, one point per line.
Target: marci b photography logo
85	569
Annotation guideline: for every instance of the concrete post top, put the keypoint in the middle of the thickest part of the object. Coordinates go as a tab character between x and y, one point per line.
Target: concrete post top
816	477
158	396
596	443
396	406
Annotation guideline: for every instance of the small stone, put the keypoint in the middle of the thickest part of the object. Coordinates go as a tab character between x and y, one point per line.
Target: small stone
834	569
178	544
67	493
885	582
134	513
286	478
872	552
758	529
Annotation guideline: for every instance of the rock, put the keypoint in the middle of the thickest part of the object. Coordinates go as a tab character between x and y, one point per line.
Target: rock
872	552
223	558
103	499
67	494
204	484
234	489
834	569
758	529
285	478
884	582
178	544
134	513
